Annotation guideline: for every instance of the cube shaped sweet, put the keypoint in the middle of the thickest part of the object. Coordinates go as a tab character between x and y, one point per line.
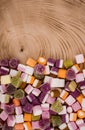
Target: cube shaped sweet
11	120
73	116
3	115
50	61
36	92
76	106
72	126
76	68
63	111
19	118
28	89
59	63
37	110
79	58
24	77
5	79
47	70
18	110
70	100
79	77
45	115
29	70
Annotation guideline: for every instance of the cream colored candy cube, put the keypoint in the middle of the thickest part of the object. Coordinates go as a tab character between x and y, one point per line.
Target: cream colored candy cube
6	79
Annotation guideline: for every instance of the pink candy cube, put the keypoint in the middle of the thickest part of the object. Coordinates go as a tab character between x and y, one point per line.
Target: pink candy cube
50	100
76	106
36	92
28	89
3	115
18	110
11	121
37	110
70	100
79	77
45	115
72	126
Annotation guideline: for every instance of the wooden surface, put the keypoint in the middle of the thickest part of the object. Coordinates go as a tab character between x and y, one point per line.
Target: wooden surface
50	28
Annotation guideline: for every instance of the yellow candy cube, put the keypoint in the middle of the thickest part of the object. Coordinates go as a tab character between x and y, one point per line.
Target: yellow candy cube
6	79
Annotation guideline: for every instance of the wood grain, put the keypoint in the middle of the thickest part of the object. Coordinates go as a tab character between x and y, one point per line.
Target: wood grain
50	28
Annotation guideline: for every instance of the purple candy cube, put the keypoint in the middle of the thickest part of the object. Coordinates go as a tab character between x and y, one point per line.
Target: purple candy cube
76	93
45	87
28	108
24	101
4	62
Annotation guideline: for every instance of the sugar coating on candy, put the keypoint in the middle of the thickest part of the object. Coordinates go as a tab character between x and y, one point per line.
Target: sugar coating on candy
43	94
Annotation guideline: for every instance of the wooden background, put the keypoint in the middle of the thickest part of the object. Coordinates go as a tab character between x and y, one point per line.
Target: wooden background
50	28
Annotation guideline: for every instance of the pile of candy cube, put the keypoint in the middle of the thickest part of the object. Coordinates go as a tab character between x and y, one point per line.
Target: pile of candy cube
43	94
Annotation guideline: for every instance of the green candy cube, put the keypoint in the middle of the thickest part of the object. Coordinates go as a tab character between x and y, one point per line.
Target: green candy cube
35	118
16	81
57	106
68	64
56	121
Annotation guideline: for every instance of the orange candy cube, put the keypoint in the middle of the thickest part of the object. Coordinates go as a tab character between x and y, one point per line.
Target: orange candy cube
62	73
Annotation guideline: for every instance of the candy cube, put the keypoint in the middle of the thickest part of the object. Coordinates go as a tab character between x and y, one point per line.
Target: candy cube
21	67
76	68
13	72
83	103
45	115
36	118
76	106
47	79
72	126
73	116
79	77
62	73
56	82
47	70
63	126
24	77
45	106
50	61
59	63
79	122
57	106
64	94
27	126
37	110
28	89
50	100
4	98
30	79
3	115
6	79
56	121
63	111
70	100
79	58
68	63
18	110
29	70
19	118
36	83
27	117
11	121
31	62
54	71
36	92
72	86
